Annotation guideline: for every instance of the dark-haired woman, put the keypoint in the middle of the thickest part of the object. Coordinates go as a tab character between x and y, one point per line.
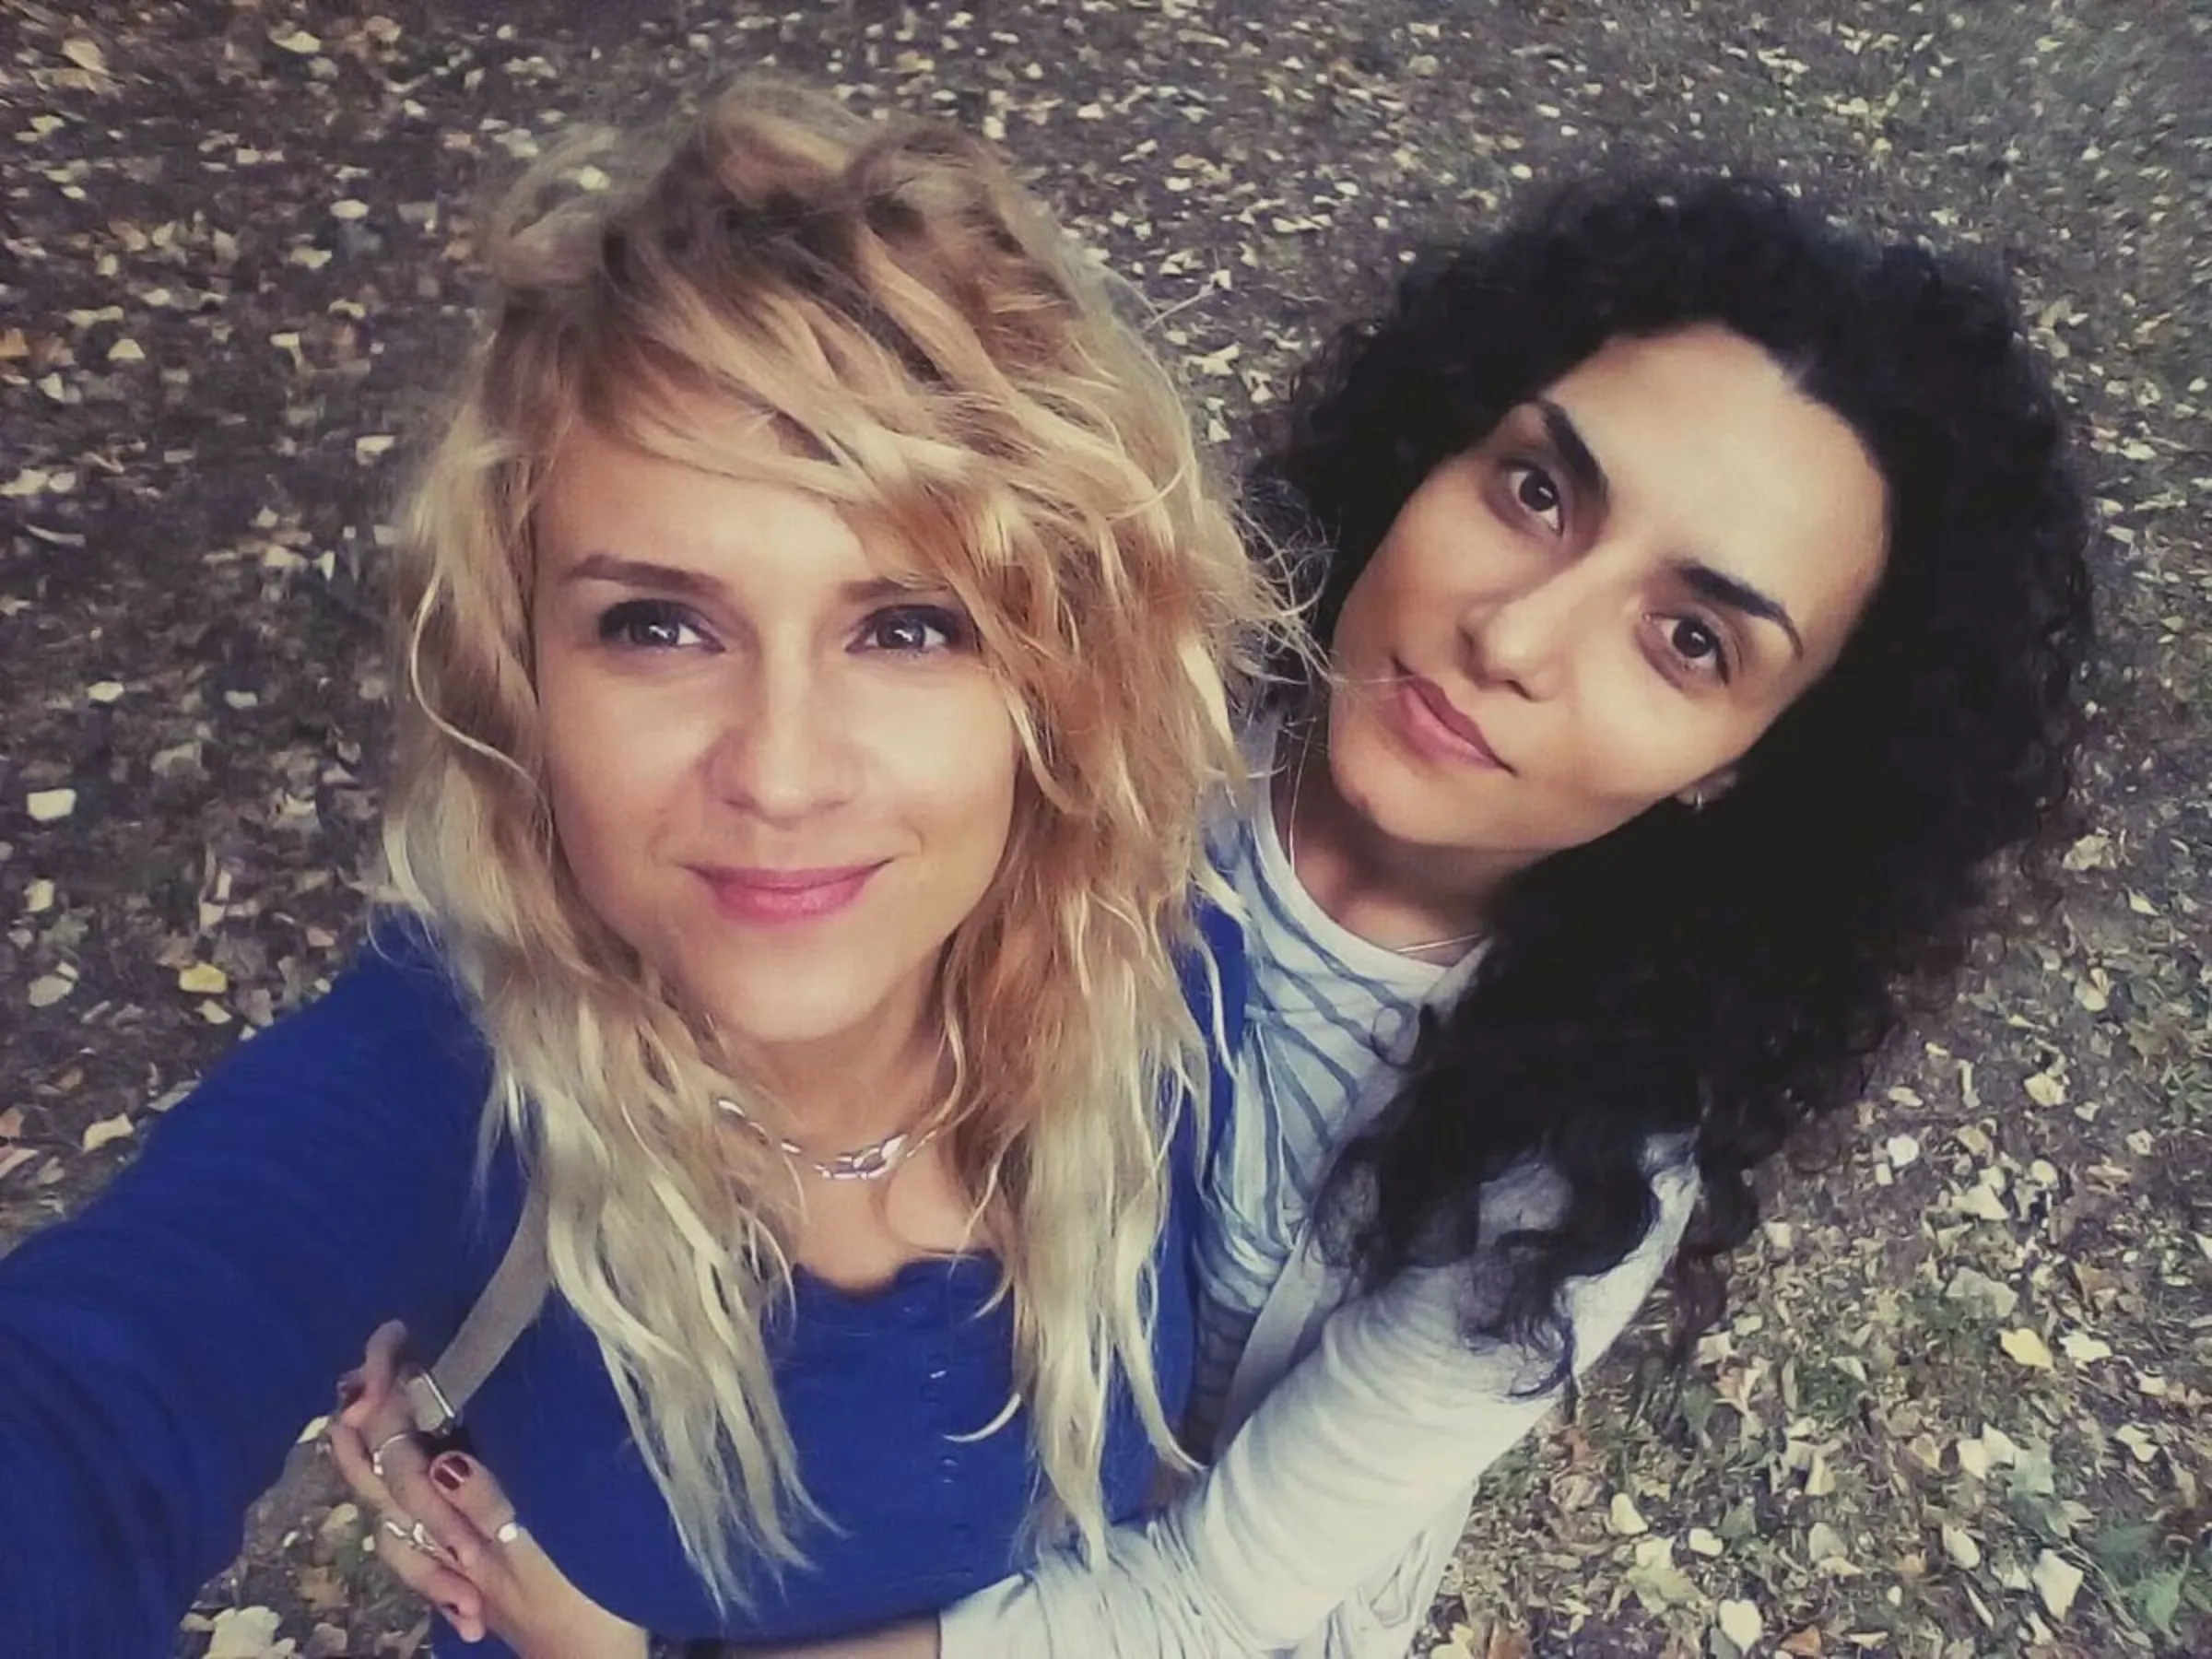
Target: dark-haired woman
1705	605
1704	602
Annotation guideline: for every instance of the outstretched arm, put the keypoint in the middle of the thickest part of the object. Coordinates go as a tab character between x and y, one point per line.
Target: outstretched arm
1340	1469
161	1353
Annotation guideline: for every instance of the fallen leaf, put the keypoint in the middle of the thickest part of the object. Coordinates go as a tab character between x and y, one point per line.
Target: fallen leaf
104	691
1904	1151
1982	1202
126	350
202	979
1625	1518
1657	1582
11	1123
1823	1543
349	209
50	806
2026	1348
1986	1296
2057	1581
1819	1476
118	1127
1740	1622
306	45
2045	1090
1704	1543
86	54
2083	1349
1959	1546
48	989
13	1158
248	1634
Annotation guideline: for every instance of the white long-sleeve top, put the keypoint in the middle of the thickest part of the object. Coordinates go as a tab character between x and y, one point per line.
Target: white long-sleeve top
1353	1428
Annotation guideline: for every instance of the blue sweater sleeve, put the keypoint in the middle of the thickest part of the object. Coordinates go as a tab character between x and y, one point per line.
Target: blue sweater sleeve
161	1353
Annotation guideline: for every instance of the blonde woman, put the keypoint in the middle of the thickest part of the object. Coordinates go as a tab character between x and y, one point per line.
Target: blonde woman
816	641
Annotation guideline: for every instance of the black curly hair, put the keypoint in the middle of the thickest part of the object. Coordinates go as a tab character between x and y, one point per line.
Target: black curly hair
1730	973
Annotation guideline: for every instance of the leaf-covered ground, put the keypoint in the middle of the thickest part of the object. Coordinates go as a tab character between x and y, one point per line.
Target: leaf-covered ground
1960	1406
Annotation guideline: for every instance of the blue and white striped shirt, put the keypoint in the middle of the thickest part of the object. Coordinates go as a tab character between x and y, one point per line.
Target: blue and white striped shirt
1326	1009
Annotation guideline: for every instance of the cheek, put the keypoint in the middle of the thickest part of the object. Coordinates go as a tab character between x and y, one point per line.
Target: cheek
951	760
616	764
1635	746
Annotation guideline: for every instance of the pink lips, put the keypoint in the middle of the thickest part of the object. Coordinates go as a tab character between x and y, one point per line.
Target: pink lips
778	896
1436	725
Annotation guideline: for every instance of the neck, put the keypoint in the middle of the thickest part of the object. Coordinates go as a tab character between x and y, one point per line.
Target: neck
1387	891
835	1094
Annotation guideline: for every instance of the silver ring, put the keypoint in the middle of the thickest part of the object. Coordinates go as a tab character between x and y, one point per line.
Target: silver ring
395	1530
509	1532
376	1454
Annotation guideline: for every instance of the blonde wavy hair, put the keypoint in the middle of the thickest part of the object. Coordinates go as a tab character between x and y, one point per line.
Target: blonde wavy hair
930	354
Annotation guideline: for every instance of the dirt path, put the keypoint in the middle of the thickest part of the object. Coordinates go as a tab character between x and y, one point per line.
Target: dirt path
1960	1408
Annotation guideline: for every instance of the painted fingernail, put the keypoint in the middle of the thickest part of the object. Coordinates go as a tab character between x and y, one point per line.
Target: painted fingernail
451	1471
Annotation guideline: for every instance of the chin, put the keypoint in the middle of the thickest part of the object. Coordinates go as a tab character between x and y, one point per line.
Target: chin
786	1010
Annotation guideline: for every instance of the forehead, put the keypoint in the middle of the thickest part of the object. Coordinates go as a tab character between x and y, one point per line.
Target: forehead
1712	454
729	504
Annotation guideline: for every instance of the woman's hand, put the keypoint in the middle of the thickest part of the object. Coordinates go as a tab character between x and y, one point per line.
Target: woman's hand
448	1532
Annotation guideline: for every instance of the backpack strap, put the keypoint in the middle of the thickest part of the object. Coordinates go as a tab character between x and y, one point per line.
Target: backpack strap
511	1300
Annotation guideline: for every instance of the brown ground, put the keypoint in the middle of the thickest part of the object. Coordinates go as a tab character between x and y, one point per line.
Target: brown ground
1960	1408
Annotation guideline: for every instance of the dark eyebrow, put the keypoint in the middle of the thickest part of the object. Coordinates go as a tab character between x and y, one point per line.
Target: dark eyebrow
692	584
641	573
1722	589
1559	425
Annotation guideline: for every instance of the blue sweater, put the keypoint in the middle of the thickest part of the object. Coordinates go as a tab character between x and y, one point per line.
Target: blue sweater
159	1354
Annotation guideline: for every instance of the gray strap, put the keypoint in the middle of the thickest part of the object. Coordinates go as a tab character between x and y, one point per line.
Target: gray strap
511	1300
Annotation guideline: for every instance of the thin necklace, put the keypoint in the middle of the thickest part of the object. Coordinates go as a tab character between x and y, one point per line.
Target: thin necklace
1298	778
871	1163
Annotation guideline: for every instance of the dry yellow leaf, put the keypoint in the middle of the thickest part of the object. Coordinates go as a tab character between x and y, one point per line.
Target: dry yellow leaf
86	54
2026	1348
48	989
202	979
50	806
118	1127
2057	1581
2083	1349
1959	1544
1740	1622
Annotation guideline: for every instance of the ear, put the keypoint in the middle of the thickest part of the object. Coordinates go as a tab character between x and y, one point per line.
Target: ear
1708	789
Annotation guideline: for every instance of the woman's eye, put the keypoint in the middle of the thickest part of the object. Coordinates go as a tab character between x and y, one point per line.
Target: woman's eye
913	629
649	625
1535	492
1698	646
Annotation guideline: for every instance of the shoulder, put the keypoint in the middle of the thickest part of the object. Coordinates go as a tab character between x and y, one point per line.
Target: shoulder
395	1022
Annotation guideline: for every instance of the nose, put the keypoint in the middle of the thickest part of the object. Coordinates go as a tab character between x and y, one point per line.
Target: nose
1519	640
784	752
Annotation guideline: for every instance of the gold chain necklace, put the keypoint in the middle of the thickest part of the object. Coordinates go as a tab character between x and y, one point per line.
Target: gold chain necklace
871	1163
1298	778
